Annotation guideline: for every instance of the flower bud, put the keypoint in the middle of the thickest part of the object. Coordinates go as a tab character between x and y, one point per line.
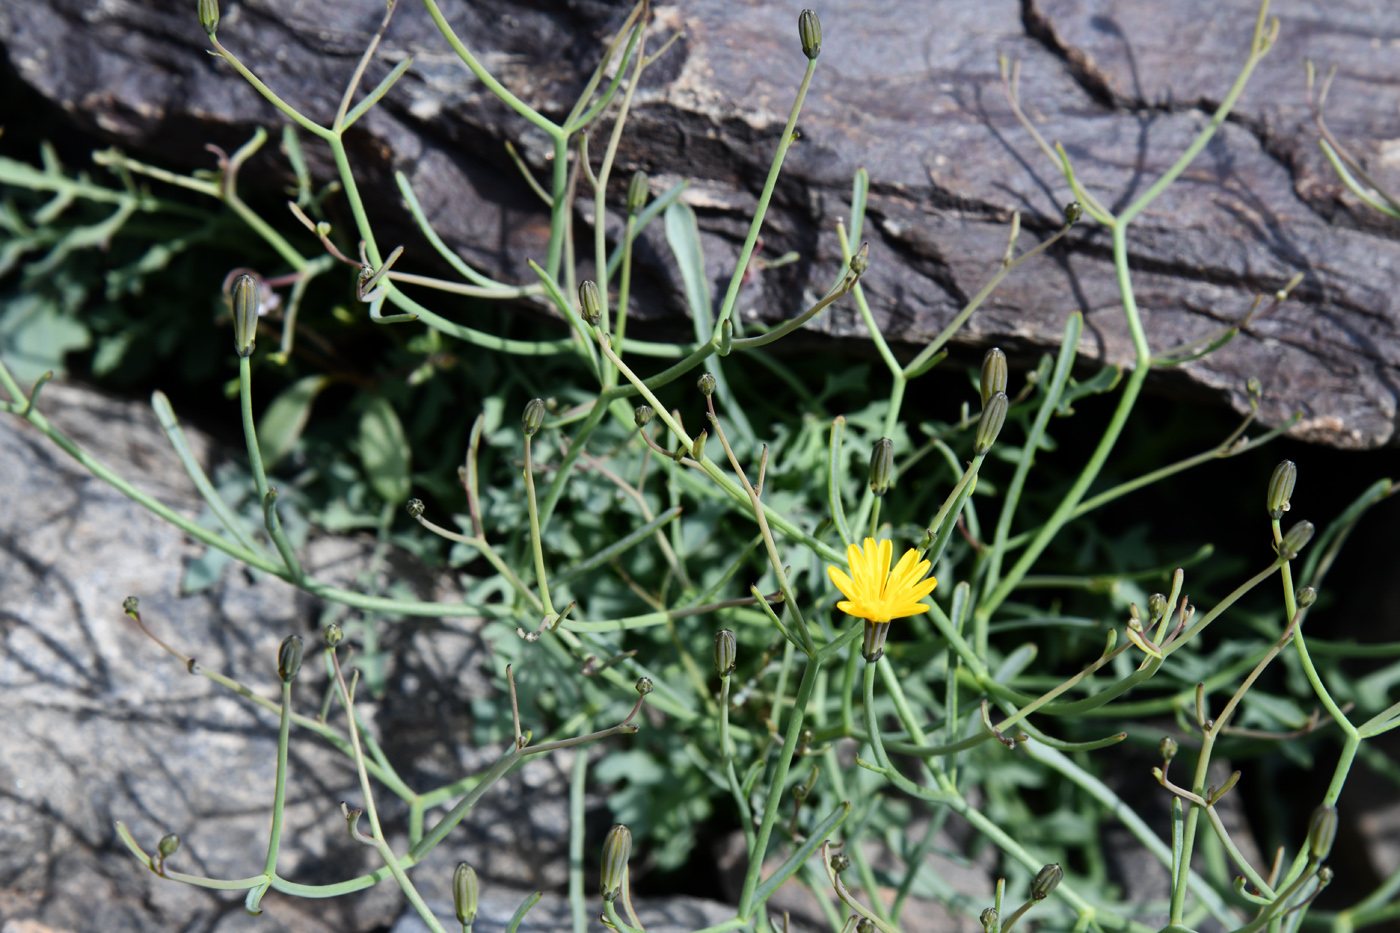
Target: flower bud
209	15
840	861
860	261
1306	597
617	849
644	685
1322	832
1046	880
289	658
414	507
1168	748
1156	606
809	30
726	652
638	190
131	606
590	302
246	303
1324	877
533	418
1281	488
865	925
994	374
642	415
1073	211
993	417
697	445
989	920
466	891
882	466
333	634
1295	539
169	844
706	384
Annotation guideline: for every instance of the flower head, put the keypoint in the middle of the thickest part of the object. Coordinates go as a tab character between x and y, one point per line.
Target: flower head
876	593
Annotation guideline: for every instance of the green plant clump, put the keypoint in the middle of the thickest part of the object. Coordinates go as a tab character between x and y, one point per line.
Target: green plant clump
615	549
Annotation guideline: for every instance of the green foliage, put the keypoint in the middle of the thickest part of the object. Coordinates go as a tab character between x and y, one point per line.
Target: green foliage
602	557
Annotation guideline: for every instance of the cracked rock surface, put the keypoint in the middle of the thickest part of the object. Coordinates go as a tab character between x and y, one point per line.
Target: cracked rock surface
98	725
909	89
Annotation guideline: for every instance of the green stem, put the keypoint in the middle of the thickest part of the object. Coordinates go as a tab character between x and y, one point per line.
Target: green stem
279	790
250	429
746	252
776	787
541	579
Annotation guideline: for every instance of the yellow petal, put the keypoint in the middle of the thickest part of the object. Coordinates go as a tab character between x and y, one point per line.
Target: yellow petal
843	582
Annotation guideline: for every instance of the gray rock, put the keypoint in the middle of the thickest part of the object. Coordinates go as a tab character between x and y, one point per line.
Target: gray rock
99	725
908	89
669	915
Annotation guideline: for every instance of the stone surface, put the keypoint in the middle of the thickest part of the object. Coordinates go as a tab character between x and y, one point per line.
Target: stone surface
907	88
98	724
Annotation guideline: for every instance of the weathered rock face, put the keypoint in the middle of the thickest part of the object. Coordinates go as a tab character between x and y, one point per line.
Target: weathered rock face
99	725
907	88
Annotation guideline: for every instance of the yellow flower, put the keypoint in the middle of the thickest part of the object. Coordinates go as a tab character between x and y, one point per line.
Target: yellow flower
876	593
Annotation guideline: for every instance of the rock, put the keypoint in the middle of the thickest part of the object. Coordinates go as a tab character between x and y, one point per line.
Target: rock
908	89
99	725
669	915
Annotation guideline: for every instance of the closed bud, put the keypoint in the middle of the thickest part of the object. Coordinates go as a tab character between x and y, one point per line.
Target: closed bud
1156	606
840	861
246	303
466	891
169	844
638	190
989	920
861	260
1306	597
882	466
333	634
706	384
644	685
1254	387
1295	539
1168	748
209	15
865	925
1281	488
726	652
590	302
993	417
1073	211
131	606
1046	880
994	374
809	30
533	418
642	415
414	507
289	658
1324	877
1322	832
617	849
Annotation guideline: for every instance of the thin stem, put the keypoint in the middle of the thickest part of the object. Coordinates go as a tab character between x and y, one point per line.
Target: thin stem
536	545
279	789
746	251
776	787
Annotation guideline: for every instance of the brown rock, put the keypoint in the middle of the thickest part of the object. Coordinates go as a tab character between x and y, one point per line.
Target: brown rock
911	91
